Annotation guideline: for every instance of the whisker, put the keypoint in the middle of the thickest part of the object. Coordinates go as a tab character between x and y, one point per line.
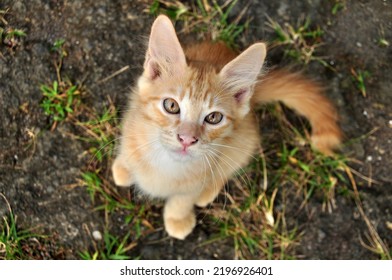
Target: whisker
102	147
223	185
221	173
211	169
144	145
205	160
233	167
234	148
205	173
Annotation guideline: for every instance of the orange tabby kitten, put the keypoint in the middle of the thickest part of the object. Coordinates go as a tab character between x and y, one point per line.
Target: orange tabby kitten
190	124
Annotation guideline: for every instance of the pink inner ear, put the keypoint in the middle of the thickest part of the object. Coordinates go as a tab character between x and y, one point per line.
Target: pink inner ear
153	69
240	95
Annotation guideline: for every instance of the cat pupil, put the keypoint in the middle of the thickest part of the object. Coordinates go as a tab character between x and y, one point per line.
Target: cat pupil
214	118
171	106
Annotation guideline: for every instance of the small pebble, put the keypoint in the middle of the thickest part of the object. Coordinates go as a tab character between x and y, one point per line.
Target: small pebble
97	235
359	45
369	158
390	123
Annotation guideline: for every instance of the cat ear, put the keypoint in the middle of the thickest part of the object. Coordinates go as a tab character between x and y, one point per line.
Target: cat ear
164	54
240	75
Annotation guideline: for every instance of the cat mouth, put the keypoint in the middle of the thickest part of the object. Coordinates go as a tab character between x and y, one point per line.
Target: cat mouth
182	153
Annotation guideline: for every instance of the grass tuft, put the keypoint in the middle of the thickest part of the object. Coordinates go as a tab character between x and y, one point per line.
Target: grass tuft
22	244
60	98
100	131
10	37
11	239
251	220
300	42
338	6
109	248
382	41
205	17
359	78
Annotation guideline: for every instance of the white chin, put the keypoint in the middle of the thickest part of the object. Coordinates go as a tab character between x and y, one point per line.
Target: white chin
182	156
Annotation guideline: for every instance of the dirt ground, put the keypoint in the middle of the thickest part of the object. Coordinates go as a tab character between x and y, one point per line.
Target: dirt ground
104	36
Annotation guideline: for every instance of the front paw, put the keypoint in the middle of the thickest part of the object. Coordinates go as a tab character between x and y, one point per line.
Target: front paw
206	197
180	228
121	175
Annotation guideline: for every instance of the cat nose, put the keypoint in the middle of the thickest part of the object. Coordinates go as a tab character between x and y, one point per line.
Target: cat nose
187	140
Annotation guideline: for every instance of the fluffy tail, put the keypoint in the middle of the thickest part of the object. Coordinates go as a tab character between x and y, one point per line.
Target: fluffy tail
306	98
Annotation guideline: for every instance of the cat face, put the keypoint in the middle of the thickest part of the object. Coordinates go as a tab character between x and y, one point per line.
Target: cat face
191	115
191	110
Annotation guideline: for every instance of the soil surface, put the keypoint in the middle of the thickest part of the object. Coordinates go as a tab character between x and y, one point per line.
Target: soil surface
37	173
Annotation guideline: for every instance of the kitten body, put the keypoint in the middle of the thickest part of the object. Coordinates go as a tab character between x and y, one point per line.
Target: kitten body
190	124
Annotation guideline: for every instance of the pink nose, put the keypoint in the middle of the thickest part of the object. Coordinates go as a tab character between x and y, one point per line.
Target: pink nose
187	140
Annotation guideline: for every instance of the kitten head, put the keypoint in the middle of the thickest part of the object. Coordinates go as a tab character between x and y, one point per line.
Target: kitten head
189	108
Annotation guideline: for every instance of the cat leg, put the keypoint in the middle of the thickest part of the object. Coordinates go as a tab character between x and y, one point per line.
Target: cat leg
209	193
121	174
179	216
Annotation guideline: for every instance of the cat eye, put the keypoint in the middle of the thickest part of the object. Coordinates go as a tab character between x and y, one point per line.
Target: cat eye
214	118
171	106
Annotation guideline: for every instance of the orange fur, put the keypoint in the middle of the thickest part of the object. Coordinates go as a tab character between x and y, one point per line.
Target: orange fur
306	98
181	157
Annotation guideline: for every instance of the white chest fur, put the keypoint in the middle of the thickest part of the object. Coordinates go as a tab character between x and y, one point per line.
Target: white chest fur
163	175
